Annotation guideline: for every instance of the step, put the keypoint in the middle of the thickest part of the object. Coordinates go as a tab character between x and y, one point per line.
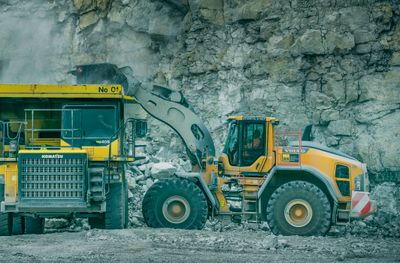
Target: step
250	201
96	170
98	189
96	179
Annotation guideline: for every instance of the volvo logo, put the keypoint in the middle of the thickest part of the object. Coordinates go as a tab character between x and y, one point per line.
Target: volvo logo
52	156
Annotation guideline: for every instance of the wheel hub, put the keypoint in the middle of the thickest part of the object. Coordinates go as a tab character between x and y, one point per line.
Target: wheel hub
298	213
176	209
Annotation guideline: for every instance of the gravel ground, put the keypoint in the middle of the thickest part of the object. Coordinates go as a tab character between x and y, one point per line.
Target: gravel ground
167	245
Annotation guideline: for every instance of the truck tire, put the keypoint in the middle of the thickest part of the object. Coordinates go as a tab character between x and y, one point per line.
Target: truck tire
116	213
6	224
126	208
6	220
18	225
299	208
34	225
114	217
96	222
175	203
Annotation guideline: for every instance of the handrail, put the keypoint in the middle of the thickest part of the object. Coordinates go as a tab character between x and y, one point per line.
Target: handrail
111	138
6	133
61	130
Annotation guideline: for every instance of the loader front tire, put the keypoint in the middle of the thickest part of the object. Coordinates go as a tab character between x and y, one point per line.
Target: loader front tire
299	208
175	203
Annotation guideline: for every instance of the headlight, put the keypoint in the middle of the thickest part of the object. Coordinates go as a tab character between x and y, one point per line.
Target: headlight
359	183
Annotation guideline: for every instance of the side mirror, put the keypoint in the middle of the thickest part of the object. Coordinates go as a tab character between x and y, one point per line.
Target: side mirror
140	128
275	123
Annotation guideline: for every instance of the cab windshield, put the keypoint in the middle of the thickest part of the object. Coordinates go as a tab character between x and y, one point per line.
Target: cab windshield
89	122
232	146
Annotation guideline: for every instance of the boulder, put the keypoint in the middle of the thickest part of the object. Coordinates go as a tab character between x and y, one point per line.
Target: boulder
363	36
382	87
314	42
247	10
335	41
341	127
354	17
162	170
310	43
329	115
87	19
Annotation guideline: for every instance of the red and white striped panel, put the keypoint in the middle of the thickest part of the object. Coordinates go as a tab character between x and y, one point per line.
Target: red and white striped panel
361	204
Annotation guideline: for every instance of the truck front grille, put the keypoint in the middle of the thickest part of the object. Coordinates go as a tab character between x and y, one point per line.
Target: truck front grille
52	177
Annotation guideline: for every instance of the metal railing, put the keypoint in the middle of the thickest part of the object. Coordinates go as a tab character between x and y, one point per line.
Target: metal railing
30	141
12	140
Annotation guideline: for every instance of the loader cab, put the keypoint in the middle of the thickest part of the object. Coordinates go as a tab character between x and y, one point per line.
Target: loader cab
248	145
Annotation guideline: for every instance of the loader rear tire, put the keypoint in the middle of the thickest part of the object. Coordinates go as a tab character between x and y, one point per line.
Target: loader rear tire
34	225
175	203
299	208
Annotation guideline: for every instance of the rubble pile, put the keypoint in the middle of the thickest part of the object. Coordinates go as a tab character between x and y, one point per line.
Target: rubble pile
143	174
386	221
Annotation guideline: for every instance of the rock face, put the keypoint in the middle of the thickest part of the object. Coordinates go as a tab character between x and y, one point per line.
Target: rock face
332	64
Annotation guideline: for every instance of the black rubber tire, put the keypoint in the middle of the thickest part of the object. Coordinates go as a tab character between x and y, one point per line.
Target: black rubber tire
34	225
18	225
160	191
6	219
126	208
114	217
116	213
6	224
96	222
321	219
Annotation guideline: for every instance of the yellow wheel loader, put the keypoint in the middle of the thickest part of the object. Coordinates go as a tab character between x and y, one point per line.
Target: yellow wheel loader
298	187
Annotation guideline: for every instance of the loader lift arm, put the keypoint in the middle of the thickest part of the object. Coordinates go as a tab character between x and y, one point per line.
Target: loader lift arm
171	108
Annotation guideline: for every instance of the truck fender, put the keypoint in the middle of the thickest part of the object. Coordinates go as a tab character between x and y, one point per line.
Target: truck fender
330	185
210	197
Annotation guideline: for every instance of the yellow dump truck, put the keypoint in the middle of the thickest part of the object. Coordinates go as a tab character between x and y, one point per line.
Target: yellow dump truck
63	150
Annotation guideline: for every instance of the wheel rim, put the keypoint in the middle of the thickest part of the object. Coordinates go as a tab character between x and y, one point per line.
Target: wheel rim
298	213
176	209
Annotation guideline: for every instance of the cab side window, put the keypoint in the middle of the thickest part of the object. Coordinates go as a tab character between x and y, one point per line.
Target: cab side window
253	142
232	145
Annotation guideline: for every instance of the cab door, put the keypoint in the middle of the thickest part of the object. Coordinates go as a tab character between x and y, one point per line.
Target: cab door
245	151
253	150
